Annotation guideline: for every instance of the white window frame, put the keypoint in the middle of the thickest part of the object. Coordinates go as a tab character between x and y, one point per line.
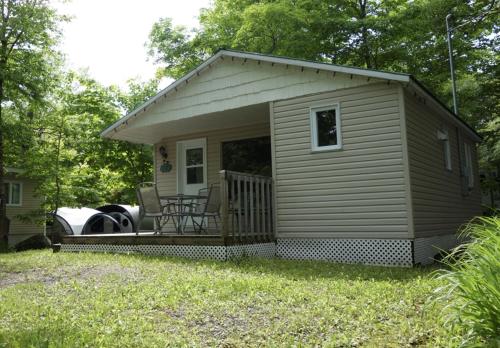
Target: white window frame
181	146
9	194
443	135
314	127
469	167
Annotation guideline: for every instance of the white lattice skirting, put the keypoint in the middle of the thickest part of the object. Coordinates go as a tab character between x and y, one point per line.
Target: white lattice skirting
386	252
217	252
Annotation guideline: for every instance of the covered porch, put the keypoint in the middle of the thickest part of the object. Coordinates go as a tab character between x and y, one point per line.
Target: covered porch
245	216
230	150
246	227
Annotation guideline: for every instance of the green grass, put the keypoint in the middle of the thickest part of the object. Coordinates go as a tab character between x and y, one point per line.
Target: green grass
104	300
472	285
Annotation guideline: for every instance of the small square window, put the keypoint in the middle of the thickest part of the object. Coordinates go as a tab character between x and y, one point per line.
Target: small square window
13	193
325	128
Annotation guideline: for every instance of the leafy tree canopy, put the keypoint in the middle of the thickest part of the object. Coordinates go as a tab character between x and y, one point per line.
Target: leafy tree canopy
74	165
28	70
394	35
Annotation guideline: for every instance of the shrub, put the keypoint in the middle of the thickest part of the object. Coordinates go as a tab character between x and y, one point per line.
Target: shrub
4	247
472	284
37	241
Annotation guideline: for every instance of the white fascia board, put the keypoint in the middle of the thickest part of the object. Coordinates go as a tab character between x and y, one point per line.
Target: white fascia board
258	57
321	66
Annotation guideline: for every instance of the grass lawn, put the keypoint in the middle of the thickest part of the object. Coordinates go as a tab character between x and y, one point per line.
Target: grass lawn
104	300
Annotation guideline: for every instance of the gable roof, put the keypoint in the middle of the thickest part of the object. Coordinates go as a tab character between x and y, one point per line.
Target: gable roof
406	79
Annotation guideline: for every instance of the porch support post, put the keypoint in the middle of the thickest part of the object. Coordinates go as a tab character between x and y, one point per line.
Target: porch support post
224	205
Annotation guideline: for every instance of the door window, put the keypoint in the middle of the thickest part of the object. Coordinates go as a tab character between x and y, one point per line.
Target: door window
194	166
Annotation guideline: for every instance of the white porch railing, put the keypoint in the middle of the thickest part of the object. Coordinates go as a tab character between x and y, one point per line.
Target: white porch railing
246	206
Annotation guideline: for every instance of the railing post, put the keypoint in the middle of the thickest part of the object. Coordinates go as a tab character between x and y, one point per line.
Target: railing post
224	204
252	208
270	207
248	215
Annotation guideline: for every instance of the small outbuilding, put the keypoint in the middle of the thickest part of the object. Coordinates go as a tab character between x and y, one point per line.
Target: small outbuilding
367	166
23	207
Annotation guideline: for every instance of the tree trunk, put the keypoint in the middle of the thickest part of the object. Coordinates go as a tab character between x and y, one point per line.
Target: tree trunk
3	66
3	210
58	178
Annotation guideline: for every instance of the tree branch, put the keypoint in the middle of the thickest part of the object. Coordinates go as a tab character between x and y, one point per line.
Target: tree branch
14	43
479	18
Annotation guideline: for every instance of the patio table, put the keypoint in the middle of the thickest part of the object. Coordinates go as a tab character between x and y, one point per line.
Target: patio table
181	202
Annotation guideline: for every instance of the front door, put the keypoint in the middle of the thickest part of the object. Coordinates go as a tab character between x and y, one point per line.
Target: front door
191	166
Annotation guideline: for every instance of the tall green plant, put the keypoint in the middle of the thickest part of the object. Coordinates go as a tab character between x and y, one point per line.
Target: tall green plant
472	285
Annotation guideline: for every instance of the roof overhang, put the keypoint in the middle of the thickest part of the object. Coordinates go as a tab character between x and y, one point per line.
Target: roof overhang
405	79
245	116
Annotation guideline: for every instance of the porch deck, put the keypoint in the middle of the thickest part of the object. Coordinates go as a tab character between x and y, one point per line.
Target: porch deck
246	227
149	238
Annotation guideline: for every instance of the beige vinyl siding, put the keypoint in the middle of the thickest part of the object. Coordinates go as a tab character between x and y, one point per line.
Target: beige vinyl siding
234	84
20	230
439	207
167	182
355	192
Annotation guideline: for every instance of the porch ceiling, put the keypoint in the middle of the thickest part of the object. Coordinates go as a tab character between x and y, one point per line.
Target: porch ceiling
248	115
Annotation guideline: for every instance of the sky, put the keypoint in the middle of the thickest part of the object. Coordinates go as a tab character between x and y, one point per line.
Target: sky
107	36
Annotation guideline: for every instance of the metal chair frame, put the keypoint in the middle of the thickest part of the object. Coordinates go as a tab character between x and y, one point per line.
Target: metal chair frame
152	207
206	210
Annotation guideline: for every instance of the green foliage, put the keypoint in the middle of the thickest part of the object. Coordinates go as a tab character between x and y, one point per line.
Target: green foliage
28	70
172	46
28	64
74	165
393	35
51	119
472	285
104	300
276	28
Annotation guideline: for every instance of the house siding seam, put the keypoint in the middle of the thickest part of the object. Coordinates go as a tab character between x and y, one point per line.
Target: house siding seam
19	230
356	192
439	207
167	182
273	167
406	163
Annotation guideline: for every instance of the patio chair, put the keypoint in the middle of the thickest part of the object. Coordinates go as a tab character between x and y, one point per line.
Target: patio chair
151	206
206	208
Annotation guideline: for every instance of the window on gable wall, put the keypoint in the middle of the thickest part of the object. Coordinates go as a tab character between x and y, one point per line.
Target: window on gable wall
325	128
13	193
444	137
